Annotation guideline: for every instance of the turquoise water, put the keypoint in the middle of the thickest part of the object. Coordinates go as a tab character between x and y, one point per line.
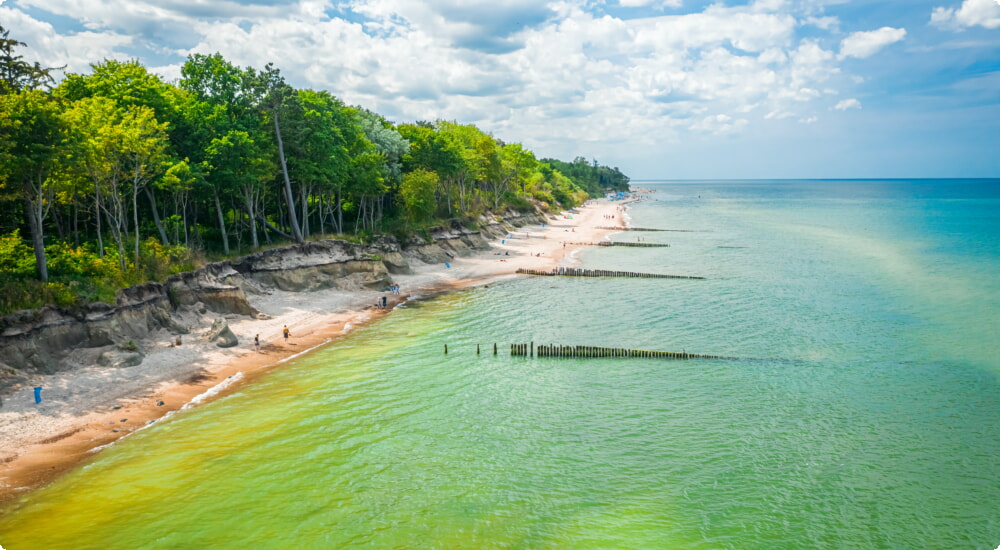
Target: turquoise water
866	414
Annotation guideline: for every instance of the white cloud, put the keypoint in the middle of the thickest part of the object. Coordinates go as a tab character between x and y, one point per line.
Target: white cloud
846	104
656	3
555	75
720	124
984	13
866	43
74	51
826	23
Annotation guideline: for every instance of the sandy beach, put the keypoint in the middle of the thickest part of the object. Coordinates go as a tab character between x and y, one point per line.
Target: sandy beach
90	407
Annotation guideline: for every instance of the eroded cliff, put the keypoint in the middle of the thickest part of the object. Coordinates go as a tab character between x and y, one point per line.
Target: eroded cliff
39	341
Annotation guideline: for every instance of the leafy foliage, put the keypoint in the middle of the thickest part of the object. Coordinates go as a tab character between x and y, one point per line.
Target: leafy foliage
117	177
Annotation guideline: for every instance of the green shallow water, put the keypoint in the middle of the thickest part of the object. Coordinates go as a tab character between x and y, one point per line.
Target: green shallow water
866	418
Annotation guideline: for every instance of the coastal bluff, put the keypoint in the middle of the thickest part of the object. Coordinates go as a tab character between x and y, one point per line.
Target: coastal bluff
41	342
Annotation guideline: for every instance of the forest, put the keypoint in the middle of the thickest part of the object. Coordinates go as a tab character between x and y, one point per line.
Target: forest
118	177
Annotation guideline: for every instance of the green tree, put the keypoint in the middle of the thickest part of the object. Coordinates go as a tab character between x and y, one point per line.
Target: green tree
437	152
321	161
131	86
90	148
281	102
228	140
417	192
16	74
32	132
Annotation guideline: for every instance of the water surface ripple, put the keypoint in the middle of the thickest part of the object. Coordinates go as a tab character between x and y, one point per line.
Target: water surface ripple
868	417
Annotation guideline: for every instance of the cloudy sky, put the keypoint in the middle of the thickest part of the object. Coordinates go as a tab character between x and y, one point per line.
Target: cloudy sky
660	88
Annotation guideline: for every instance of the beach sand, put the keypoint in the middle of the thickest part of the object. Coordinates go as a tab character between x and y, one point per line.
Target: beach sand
87	408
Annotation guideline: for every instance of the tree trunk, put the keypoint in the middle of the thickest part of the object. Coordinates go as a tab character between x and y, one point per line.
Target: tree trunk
60	231
156	217
304	191
97	215
340	213
268	225
34	210
361	215
296	232
322	212
379	212
184	221
222	222
252	212
76	222
135	218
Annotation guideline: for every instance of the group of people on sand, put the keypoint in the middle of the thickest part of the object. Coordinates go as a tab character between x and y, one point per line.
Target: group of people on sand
256	339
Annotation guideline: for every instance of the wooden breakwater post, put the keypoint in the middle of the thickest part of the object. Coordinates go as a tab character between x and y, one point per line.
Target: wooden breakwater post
610	228
494	348
477	349
589	352
577	272
446	349
635	245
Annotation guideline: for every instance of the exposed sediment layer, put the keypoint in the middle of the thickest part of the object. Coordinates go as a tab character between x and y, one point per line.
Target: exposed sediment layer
38	341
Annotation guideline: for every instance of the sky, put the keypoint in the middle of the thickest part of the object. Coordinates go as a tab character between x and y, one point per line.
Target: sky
662	89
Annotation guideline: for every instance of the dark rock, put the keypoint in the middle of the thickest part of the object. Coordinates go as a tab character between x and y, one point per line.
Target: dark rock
221	334
120	359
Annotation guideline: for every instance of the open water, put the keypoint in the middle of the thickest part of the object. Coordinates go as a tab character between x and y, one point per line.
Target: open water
866	413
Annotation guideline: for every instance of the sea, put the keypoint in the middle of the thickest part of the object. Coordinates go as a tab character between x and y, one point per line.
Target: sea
859	406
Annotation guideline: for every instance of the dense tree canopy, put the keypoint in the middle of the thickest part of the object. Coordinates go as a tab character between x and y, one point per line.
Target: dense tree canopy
135	174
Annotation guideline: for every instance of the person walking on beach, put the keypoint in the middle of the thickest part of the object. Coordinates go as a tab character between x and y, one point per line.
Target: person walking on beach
256	343
285	333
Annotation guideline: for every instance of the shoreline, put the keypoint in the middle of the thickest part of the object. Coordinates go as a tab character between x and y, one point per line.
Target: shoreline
40	442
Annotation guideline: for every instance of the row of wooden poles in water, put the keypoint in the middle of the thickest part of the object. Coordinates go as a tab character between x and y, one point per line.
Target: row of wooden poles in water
610	228
552	350
623	243
634	245
577	272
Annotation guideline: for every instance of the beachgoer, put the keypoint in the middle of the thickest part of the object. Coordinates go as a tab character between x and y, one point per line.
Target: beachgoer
384	302
256	343
286	333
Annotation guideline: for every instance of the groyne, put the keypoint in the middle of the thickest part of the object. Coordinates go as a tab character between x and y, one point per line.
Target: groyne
577	272
621	243
594	352
650	229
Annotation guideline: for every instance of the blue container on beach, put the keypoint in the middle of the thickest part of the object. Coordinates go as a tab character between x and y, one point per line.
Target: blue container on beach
38	394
